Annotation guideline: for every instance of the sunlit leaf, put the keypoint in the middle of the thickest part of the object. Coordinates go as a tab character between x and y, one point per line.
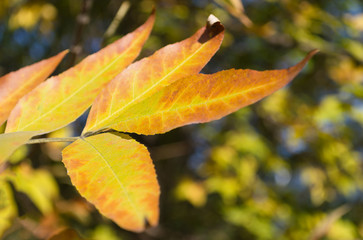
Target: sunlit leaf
38	184
7	206
192	191
203	98
117	176
15	85
9	142
61	99
151	74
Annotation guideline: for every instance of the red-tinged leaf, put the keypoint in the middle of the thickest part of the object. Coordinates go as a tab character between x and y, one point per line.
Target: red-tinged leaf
203	98
117	176
147	76
9	142
15	85
62	99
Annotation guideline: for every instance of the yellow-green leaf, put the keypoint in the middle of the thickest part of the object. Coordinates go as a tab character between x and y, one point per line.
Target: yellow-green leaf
147	76
7	206
117	176
15	85
62	99
203	98
38	184
9	142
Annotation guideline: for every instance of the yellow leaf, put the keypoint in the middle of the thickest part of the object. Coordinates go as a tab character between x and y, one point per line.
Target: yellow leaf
117	176
62	99
39	185
7	206
147	76
193	192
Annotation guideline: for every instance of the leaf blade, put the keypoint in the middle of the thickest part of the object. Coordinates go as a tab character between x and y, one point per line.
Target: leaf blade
9	142
203	98
15	85
151	74
74	90
117	176
8	210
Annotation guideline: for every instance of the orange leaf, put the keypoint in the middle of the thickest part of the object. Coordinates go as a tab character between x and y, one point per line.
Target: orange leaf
147	76
62	99
9	142
15	85
203	98
117	176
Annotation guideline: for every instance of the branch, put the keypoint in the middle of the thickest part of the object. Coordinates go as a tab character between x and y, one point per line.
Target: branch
82	20
117	20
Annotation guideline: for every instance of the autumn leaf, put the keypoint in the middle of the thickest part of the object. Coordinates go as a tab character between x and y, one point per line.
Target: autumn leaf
117	176
9	142
8	209
15	85
203	98
62	99
38	184
147	76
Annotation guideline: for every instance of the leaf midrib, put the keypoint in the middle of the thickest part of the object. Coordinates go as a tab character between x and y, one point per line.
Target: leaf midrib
116	177
226	97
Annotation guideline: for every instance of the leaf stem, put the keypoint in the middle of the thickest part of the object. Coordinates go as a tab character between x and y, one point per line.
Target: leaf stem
45	140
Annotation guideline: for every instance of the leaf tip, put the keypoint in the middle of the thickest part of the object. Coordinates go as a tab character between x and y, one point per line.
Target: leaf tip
62	54
293	71
65	51
213	28
153	10
152	14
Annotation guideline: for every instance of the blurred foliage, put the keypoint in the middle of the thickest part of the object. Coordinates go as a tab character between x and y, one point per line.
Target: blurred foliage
279	169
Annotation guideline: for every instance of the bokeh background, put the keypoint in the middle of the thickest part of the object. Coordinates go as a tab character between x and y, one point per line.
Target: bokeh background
287	167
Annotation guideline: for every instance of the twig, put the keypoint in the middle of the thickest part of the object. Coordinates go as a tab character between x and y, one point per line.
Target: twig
82	20
125	6
324	226
45	140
